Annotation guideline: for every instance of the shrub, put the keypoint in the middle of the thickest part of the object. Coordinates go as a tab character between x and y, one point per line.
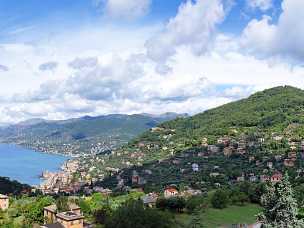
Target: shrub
220	199
133	214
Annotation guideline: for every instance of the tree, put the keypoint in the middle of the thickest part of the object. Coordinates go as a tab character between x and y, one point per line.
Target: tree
34	210
280	206
173	203
196	221
101	215
133	214
62	204
220	199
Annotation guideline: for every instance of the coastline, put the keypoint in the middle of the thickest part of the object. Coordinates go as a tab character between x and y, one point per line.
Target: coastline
28	168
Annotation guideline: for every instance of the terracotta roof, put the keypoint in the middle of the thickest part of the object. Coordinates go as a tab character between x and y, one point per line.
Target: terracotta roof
172	190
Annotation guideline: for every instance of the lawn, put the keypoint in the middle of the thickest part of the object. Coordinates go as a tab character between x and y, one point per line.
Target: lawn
212	218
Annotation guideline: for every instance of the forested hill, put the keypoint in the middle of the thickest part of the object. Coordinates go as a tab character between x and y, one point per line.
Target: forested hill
13	187
271	110
266	124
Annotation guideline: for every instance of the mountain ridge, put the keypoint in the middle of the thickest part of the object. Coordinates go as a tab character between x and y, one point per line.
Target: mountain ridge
77	135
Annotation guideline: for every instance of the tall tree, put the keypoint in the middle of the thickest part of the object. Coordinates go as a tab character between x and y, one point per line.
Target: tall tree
280	206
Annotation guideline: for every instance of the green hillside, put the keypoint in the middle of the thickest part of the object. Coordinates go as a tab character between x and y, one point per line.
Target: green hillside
270	110
266	124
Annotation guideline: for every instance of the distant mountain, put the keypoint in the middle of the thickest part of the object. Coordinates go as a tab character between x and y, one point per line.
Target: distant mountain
31	122
166	116
80	135
241	137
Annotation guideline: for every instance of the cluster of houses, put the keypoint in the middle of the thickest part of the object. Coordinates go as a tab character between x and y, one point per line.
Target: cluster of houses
170	191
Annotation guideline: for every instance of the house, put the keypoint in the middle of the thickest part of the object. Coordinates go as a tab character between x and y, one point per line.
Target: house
213	148
223	140
4	202
104	191
170	191
277	138
70	219
253	178
278	157
269	165
190	192
50	212
277	177
204	142
302	144
228	151
176	161
240	178
292	156
150	199
241	151
215	174
136	179
264	178
195	167
251	158
289	163
257	163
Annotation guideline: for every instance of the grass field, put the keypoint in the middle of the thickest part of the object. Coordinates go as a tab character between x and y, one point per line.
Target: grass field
212	218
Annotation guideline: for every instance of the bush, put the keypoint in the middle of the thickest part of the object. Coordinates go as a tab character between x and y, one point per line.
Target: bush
195	202
220	199
173	203
101	215
238	198
134	214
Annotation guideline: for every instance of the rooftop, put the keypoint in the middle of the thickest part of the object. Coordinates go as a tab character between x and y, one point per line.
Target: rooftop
3	196
69	216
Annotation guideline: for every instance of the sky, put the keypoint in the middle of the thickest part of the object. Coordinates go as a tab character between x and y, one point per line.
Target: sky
70	58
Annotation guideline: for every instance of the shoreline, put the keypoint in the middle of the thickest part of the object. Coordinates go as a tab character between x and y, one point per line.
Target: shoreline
37	178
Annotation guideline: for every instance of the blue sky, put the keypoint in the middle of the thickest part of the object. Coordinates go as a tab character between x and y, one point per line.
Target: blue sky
68	58
64	14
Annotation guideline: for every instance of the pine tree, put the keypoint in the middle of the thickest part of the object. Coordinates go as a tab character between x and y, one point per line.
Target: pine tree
280	206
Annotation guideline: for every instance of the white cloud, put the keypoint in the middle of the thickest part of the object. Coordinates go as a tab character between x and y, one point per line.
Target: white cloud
98	74
284	39
48	66
3	68
193	26
126	9
260	4
258	37
195	83
80	63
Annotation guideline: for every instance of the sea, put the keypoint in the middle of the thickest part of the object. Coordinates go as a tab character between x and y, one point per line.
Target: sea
25	165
